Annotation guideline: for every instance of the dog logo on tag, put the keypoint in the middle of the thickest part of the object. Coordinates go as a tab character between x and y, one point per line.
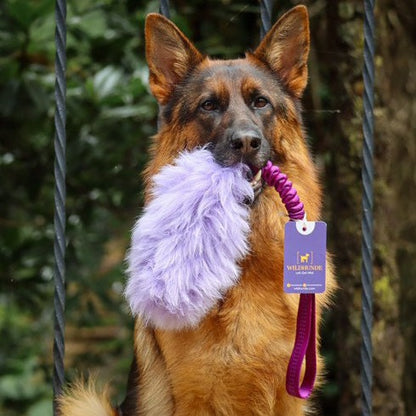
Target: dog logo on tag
306	258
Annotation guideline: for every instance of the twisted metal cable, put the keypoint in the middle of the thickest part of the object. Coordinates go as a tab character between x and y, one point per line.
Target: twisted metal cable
60	195
266	8
367	220
164	8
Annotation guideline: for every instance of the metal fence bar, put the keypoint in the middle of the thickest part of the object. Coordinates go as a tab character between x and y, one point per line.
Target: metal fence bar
266	7
60	196
164	8
367	220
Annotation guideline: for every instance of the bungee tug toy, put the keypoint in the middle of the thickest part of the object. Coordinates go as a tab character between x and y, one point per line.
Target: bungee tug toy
186	248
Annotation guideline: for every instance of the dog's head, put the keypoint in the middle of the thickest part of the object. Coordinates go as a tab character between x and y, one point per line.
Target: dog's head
245	109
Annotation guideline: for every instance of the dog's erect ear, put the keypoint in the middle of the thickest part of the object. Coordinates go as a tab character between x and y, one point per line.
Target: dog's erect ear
285	49
170	56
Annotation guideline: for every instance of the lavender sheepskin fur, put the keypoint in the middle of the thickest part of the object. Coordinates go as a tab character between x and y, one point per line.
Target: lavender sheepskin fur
186	246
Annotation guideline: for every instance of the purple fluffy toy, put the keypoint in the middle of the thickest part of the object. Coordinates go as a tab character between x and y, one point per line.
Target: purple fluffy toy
186	246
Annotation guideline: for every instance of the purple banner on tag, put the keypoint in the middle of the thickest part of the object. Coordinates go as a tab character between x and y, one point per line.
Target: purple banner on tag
304	257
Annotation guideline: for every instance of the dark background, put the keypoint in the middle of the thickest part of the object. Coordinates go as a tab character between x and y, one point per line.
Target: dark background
110	119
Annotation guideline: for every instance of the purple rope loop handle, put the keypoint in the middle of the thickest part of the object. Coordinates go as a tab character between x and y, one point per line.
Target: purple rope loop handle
305	341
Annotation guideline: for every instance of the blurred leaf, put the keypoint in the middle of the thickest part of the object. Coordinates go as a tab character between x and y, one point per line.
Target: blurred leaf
37	93
25	12
94	24
105	81
24	384
9	42
8	96
41	408
40	35
128	111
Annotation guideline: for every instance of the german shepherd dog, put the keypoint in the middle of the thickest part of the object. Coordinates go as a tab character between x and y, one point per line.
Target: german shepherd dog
234	362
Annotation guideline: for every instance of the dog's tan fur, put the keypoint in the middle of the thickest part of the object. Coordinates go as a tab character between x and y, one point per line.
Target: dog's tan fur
234	363
85	399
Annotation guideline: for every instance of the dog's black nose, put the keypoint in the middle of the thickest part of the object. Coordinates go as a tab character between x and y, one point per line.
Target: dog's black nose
245	142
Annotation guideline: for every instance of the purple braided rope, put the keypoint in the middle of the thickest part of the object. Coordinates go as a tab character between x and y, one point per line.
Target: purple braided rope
290	198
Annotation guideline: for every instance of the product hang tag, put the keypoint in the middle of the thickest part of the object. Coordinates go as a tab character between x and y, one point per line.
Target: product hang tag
304	257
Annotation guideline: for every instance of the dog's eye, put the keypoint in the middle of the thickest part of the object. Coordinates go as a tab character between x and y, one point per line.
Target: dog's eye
260	102
210	105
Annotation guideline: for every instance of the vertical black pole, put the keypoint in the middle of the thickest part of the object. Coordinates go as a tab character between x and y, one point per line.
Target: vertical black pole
60	196
367	220
164	8
266	8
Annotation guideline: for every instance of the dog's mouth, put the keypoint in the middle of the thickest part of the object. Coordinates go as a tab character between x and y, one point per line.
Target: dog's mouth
254	176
